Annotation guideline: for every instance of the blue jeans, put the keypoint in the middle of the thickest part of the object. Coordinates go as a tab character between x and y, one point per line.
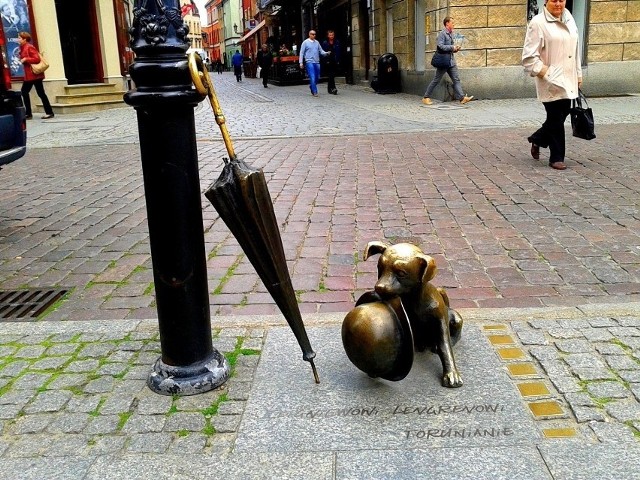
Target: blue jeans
453	74
313	70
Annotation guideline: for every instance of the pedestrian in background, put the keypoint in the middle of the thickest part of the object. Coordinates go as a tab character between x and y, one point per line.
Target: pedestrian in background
332	61
445	44
551	54
310	52
265	59
219	66
236	61
29	55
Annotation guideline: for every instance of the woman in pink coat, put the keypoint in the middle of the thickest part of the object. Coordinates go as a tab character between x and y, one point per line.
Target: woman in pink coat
29	55
551	54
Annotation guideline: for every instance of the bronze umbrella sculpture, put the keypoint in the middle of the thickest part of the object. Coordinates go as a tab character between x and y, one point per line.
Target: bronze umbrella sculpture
241	197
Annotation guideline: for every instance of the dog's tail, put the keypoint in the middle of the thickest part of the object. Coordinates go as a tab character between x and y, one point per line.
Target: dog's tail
445	297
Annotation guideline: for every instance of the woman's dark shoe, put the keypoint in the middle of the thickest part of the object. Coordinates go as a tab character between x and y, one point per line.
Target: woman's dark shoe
28	117
558	165
48	115
535	151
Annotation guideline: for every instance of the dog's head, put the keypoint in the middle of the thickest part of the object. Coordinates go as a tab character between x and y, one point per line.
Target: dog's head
401	268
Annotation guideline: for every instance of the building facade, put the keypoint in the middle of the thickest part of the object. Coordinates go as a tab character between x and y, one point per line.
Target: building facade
492	34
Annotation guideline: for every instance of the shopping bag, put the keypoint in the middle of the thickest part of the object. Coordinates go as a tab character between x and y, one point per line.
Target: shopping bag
39	67
582	122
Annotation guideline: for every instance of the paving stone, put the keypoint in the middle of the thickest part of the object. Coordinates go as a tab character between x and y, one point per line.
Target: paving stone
566	384
607	390
62	349
154	404
600	461
48	401
238	390
70	444
31	381
17	397
226	423
624	410
194	422
596	334
50	363
96	350
69	423
579	399
115	404
588	374
621	362
610	349
612	432
191	443
149	442
231	408
31	423
198	402
574	346
107	444
548	352
144	423
80	366
14	369
563	333
583	360
555	368
588	414
67	381
113	369
102	425
600	322
9	411
103	384
83	403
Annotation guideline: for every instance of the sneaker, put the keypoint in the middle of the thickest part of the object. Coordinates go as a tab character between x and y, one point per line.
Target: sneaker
466	99
48	115
427	101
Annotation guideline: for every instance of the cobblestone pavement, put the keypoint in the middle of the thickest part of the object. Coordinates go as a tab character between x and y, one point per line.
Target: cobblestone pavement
508	234
73	400
505	230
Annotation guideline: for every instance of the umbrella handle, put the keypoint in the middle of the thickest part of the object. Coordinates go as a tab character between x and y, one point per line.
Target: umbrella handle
204	86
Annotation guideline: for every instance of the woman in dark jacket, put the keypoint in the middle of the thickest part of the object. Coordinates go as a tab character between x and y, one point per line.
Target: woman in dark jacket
28	56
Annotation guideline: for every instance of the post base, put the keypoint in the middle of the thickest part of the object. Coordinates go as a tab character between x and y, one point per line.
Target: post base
197	378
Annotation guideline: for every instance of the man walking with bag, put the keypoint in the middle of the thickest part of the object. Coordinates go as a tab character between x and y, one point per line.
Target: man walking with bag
265	59
446	46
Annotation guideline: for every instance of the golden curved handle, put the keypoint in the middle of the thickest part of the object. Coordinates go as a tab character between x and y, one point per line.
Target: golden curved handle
204	86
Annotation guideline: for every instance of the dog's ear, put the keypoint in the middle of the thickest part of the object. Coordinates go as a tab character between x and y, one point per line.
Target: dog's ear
374	248
429	266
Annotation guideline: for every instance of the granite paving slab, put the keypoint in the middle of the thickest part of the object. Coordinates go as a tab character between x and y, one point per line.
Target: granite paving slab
287	412
495	463
604	461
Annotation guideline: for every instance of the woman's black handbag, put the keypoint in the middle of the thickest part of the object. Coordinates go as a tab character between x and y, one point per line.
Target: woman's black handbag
582	122
441	60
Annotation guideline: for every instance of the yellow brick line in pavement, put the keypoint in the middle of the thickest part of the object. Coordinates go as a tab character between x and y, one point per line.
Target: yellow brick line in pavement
534	392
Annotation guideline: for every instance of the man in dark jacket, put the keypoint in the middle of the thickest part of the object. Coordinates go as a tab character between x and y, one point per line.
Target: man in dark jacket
331	62
265	59
236	61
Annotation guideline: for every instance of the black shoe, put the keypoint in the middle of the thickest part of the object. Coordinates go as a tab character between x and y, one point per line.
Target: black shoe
28	117
48	115
334	91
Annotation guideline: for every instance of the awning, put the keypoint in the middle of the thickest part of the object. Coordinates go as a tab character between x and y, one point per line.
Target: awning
252	31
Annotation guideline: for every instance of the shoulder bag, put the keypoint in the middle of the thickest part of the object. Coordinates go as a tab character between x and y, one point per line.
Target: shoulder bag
582	122
441	60
39	67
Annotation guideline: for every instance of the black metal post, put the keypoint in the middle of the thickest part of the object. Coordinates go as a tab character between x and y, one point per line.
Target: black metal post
164	101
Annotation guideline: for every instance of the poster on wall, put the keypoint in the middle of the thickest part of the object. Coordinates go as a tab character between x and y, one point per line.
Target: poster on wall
15	19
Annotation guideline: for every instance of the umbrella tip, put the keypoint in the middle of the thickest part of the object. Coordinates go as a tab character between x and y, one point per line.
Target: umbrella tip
315	372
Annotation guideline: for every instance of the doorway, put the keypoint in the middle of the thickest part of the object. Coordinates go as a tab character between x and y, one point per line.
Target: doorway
79	40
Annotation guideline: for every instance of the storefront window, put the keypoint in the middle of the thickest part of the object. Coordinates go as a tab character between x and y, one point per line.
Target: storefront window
15	19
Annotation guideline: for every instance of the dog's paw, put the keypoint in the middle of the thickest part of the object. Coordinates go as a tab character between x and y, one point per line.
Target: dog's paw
452	380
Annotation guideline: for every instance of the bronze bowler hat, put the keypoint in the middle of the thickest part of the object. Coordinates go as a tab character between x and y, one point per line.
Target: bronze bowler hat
377	337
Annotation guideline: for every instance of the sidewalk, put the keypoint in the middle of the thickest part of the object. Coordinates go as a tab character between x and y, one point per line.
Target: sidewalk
544	267
548	393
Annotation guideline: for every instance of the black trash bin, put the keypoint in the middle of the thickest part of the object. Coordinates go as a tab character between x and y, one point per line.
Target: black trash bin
388	78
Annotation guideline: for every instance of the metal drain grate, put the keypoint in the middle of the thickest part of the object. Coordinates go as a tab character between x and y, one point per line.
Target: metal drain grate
23	304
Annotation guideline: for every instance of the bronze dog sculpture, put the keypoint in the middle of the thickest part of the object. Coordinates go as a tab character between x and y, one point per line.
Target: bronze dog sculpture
404	271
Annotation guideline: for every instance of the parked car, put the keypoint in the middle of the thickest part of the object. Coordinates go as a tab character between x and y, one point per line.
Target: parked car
13	124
